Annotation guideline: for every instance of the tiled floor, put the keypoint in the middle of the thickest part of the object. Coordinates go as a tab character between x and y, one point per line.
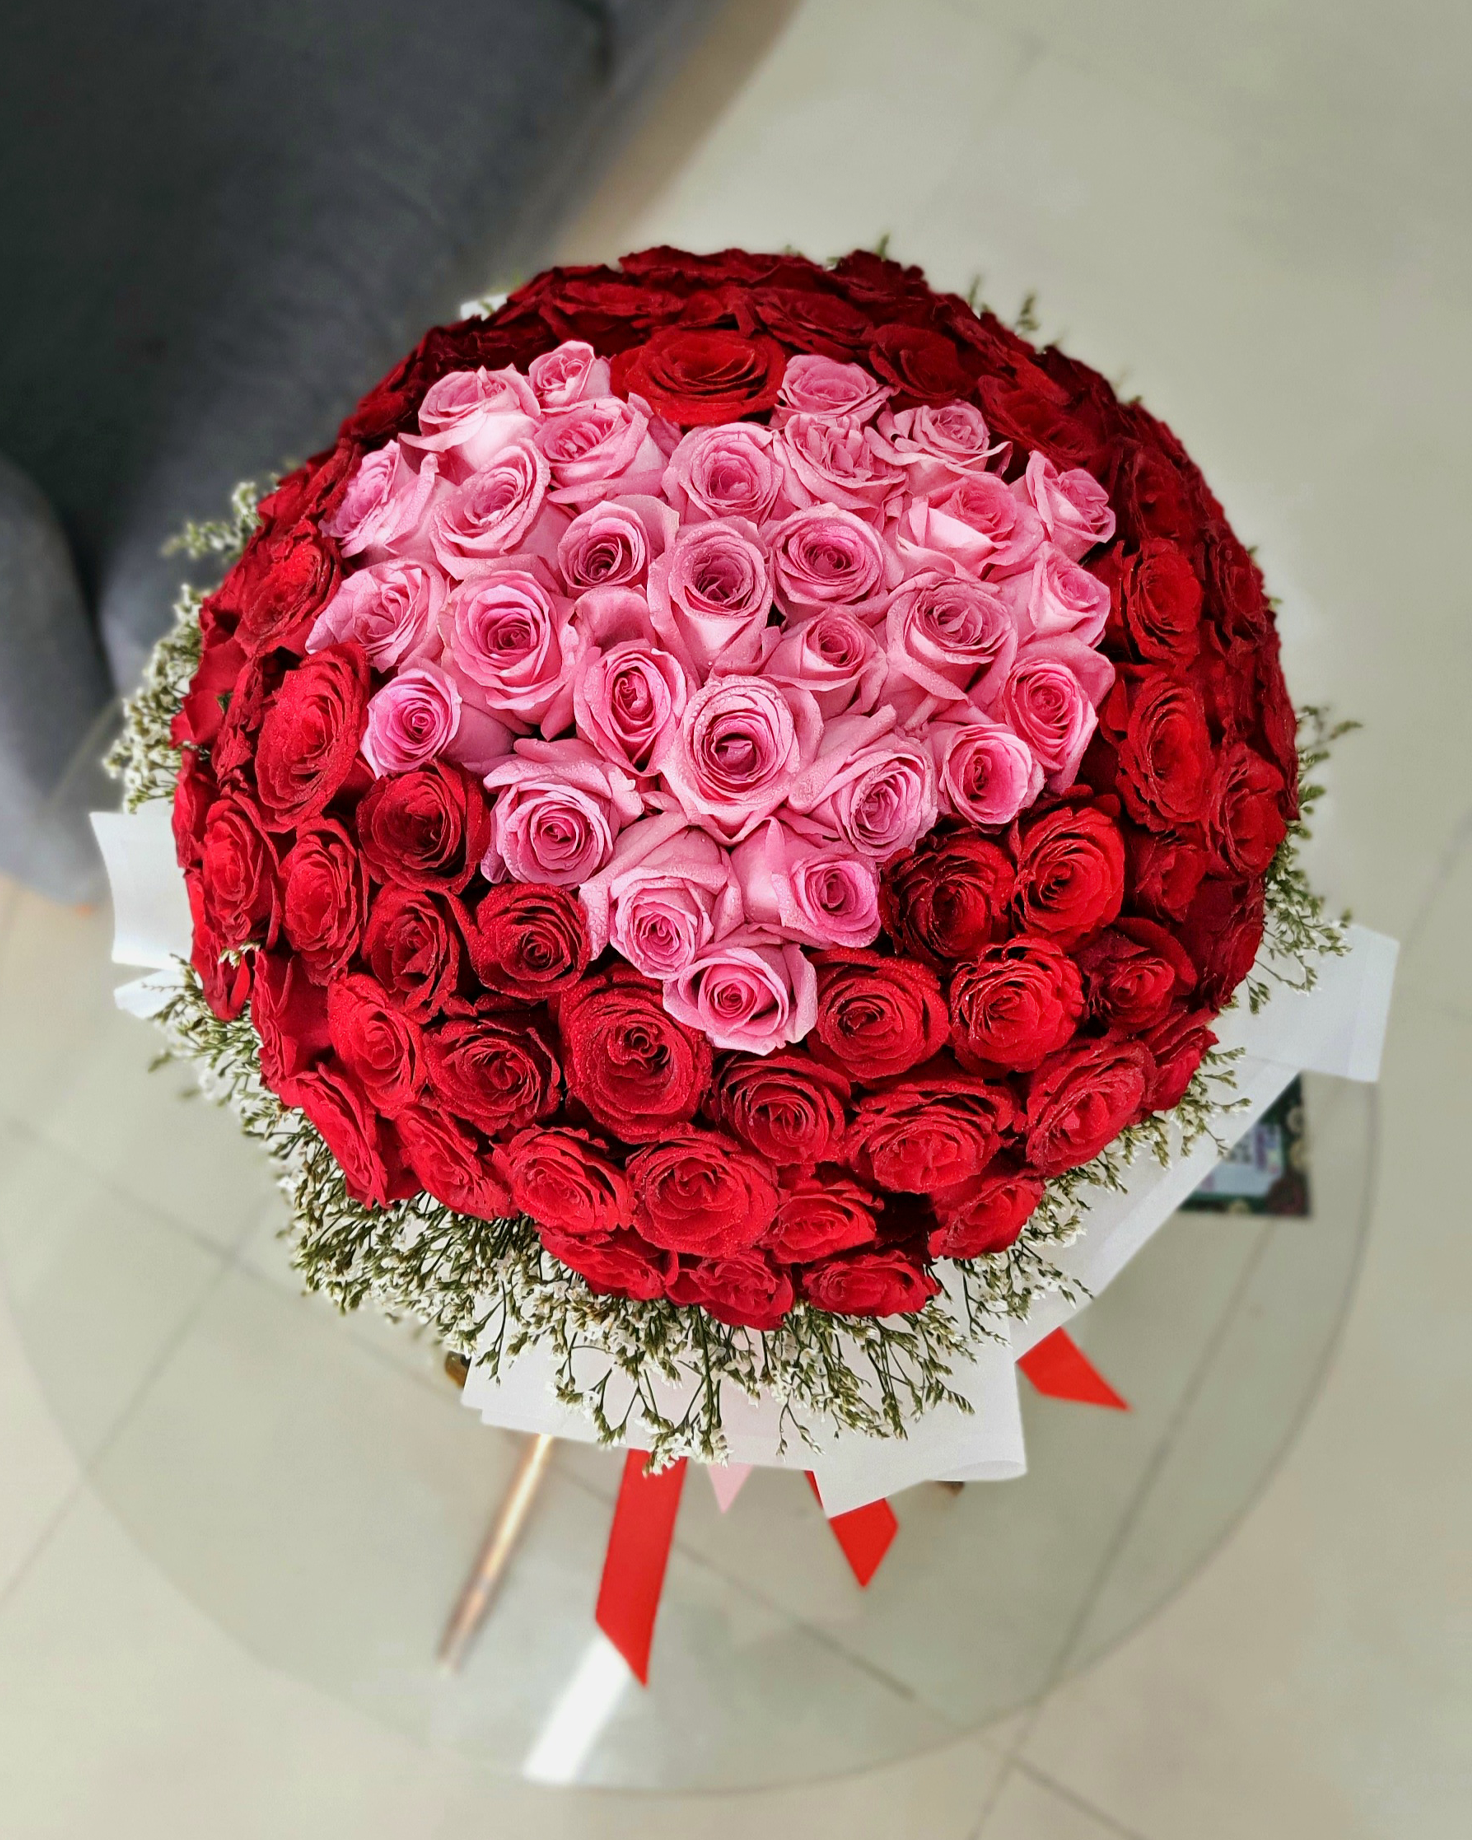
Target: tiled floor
1260	213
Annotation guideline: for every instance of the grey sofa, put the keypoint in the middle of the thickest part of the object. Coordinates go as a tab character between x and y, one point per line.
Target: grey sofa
220	225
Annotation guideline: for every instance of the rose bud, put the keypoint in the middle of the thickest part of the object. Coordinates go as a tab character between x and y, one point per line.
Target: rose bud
878	1016
1070	873
413	946
364	1146
618	1265
377	1044
567	1182
700	1192
324	898
496	1075
819	1215
868	1283
785	1107
428	828
983	1215
310	734
946	899
1079	1101
1017	1004
922	1135
743	1288
453	1163
529	940
638	1072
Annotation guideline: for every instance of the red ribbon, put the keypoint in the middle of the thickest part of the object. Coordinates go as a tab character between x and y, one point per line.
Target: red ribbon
865	1534
1058	1367
638	1552
643	1531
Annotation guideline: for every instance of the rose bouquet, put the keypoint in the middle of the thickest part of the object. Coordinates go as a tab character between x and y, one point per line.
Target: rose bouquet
730	795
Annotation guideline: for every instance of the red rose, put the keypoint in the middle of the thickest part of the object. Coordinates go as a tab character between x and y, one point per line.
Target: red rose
1165	759
221	664
1164	873
237	867
453	1163
364	1146
1152	495
282	582
1070	873
603	308
498	1076
819	1215
412	946
1019	1003
566	1180
878	1016
947	898
1081	1100
310	733
195	791
921	366
786	1107
1222	931
233	748
1030	408
622	1265
1161	603
1237	602
701	1192
742	1289
664	266
1179	1044
926	1134
808	320
1245	818
984	1215
1277	719
695	378
878	1283
637	1070
529	940
379	1045
324	897
224	981
428	828
1134	972
313	491
289	1014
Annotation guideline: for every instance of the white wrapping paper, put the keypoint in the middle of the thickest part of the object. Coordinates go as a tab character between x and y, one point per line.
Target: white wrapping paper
1337	1028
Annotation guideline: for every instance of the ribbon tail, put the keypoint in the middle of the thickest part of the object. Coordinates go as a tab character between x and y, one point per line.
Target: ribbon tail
638	1551
865	1534
1058	1367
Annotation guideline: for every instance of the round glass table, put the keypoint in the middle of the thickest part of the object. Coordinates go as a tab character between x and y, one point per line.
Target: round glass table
316	1486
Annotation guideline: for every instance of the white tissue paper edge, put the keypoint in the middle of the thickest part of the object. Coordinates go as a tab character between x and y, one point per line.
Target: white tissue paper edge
1337	1028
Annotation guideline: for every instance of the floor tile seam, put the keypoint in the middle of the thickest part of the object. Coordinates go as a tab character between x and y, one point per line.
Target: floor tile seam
76	1490
1081	1803
1451	855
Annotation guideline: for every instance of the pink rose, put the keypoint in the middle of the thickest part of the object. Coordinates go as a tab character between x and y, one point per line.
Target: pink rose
667	894
628	701
510	639
728	471
836	462
816	893
746	994
937	445
1073	506
979	523
950	636
469	416
568	375
463	396
871	788
986	774
742	742
1050	699
410	720
835	657
385	504
491	513
1057	596
391	609
601	448
826	557
824	387
558	810
610	545
710	594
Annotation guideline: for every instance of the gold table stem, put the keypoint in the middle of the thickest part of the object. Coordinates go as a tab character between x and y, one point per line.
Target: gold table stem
479	1590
